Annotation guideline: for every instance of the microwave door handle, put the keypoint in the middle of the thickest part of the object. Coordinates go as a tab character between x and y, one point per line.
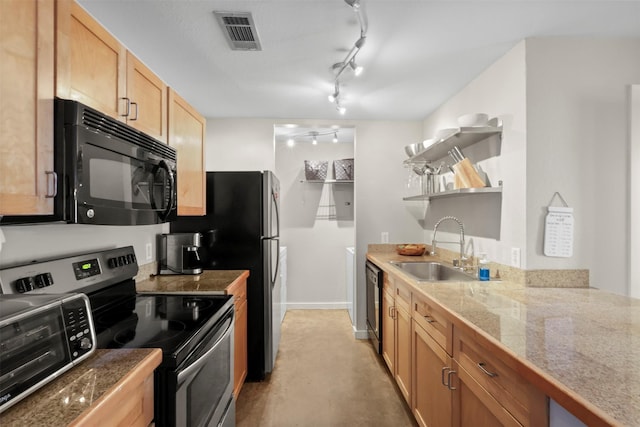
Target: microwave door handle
203	359
172	188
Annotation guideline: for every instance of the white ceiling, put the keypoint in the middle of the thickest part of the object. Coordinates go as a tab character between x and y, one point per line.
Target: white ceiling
417	54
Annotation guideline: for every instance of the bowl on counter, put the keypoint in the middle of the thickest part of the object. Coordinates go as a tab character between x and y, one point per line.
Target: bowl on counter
411	249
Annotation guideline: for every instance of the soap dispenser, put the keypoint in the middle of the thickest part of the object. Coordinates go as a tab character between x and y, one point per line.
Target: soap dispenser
483	268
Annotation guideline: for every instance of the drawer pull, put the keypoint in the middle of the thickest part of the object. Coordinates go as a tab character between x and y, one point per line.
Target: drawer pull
482	368
128	109
449	386
429	319
392	312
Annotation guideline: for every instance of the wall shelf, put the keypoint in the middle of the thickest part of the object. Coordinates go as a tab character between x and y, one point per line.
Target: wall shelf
328	181
460	137
454	193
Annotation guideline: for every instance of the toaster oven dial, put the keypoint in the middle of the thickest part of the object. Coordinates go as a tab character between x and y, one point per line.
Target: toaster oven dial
84	344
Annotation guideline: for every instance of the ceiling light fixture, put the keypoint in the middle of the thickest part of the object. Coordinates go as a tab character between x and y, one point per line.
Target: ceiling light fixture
350	59
313	136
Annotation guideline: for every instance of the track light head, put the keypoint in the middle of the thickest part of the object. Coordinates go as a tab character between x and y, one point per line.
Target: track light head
335	138
353	3
290	142
334	96
357	69
360	42
341	109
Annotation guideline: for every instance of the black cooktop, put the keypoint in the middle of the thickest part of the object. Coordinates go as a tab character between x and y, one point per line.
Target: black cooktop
173	323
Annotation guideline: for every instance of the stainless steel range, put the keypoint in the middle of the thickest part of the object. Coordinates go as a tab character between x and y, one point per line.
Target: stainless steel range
194	383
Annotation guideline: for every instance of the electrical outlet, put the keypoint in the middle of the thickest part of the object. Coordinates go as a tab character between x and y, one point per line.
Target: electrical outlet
149	252
515	257
384	237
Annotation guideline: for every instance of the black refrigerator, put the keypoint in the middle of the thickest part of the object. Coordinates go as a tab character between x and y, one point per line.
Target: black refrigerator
241	232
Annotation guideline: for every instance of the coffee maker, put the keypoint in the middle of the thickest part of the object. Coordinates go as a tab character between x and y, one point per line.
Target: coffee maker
179	253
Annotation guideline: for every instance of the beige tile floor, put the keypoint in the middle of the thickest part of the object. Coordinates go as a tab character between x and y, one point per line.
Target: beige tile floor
323	377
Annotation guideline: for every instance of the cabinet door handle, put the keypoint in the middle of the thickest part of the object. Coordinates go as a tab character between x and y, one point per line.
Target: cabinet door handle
128	108
52	190
449	386
481	365
136	116
429	319
446	368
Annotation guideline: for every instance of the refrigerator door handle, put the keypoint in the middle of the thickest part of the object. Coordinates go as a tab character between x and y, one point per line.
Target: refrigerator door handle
277	255
274	197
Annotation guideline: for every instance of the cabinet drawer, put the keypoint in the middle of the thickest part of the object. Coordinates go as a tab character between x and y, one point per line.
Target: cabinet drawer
501	380
433	322
403	296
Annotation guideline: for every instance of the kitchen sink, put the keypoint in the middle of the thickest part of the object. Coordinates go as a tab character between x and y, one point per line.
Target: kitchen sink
431	271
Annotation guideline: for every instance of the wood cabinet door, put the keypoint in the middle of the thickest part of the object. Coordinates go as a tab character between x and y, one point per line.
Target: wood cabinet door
26	107
90	62
388	331
403	352
431	398
187	135
147	97
240	348
473	405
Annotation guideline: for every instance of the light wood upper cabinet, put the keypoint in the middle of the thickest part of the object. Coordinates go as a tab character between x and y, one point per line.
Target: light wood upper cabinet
91	64
26	107
94	68
187	135
146	100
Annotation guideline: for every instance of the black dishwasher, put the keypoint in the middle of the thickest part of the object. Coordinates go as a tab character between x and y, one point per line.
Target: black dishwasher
374	298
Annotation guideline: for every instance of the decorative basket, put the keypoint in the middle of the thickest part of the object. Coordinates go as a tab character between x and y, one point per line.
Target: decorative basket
315	169
343	169
411	249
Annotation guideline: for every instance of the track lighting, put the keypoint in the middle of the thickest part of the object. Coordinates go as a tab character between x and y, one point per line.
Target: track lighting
355	4
313	136
357	69
350	59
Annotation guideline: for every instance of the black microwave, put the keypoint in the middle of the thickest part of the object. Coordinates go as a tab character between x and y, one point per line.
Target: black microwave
108	172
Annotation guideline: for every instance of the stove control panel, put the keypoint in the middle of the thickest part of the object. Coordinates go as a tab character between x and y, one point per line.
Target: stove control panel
71	274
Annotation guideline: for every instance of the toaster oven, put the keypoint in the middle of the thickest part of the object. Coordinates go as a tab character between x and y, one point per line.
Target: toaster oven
41	336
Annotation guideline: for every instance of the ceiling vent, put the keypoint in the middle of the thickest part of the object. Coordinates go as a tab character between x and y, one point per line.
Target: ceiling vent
239	30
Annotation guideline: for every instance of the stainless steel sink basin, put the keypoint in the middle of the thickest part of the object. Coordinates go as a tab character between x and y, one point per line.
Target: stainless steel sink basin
431	271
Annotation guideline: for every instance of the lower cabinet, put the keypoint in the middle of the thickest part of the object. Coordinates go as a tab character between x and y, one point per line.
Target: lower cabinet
450	378
388	327
403	342
239	291
432	374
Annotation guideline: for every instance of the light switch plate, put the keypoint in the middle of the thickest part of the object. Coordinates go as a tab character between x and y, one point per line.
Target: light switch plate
384	237
149	251
515	257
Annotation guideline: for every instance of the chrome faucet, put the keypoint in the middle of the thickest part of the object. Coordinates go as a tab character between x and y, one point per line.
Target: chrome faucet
434	242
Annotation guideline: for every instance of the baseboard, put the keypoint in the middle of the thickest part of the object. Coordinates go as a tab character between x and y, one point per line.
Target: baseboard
316	306
360	334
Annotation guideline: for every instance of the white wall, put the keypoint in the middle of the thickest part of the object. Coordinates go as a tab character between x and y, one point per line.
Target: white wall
500	92
25	243
634	191
307	232
564	103
577	144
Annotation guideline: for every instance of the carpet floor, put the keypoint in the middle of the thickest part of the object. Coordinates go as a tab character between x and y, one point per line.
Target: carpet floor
323	377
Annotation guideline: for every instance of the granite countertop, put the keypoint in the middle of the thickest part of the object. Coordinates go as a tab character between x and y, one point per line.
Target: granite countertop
212	282
80	389
581	346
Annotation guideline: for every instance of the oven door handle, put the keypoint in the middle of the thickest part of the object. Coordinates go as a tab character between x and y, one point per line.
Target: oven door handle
197	364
